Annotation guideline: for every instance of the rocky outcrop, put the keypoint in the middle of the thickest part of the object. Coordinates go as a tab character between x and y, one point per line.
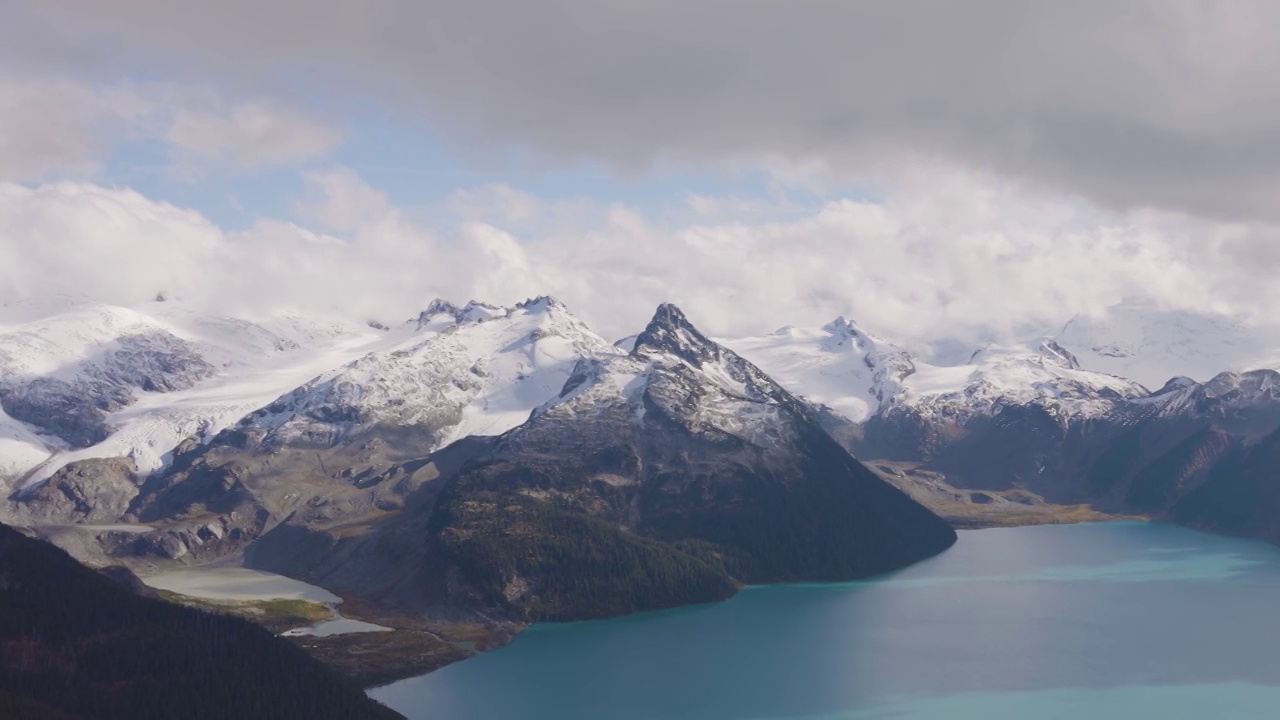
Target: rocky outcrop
96	490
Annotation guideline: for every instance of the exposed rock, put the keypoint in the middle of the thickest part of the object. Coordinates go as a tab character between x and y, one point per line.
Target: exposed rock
96	490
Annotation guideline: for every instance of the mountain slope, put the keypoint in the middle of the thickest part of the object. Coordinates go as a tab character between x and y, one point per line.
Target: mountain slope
674	468
839	365
352	442
482	374
100	381
75	644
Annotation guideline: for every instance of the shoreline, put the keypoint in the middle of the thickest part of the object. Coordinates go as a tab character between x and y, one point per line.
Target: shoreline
416	645
1044	515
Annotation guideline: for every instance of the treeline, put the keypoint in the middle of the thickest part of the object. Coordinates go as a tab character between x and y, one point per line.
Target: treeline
74	644
536	537
538	562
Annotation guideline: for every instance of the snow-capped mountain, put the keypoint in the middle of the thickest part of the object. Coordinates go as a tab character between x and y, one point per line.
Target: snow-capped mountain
674	370
1044	375
859	375
81	380
1247	403
1148	344
678	443
199	402
474	370
838	365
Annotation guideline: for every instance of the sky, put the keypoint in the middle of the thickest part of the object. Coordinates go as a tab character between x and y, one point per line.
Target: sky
930	169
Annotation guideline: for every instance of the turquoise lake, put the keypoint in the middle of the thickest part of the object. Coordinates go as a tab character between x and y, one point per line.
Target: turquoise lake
1123	620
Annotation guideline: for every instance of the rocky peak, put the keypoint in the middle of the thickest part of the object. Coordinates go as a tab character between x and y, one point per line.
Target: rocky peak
435	308
843	328
1175	384
540	303
1227	394
1052	351
476	311
671	333
1254	384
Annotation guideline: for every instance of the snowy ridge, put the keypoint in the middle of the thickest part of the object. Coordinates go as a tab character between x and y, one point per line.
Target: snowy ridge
1149	344
136	382
476	370
838	365
1225	394
1016	375
858	375
80	379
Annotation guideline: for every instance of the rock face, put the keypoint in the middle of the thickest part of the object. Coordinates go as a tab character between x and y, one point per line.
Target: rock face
664	476
97	490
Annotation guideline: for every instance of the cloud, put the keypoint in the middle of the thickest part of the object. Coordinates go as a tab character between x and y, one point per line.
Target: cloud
249	135
338	200
947	254
1163	103
53	125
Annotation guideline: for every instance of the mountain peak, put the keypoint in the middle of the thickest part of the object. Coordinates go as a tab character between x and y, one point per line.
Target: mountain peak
841	322
436	307
670	332
477	311
843	328
1051	350
540	303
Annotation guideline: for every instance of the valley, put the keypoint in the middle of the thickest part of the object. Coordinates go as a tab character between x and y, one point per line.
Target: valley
976	509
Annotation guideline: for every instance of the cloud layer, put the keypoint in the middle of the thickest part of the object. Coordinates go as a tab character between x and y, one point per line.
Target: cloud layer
56	125
1024	161
1167	103
955	255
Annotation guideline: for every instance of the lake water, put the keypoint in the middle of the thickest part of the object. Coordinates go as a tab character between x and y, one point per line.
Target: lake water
1124	620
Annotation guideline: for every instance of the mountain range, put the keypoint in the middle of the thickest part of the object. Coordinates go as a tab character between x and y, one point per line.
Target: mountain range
511	464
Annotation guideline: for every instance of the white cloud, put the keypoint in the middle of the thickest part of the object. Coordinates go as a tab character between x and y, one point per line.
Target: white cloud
945	255
249	135
50	125
338	200
58	126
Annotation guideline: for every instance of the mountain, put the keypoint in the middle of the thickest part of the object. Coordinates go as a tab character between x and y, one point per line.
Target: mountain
482	373
1187	448
347	443
859	376
75	644
838	365
1150	344
81	380
1032	417
906	408
1048	417
665	475
669	474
